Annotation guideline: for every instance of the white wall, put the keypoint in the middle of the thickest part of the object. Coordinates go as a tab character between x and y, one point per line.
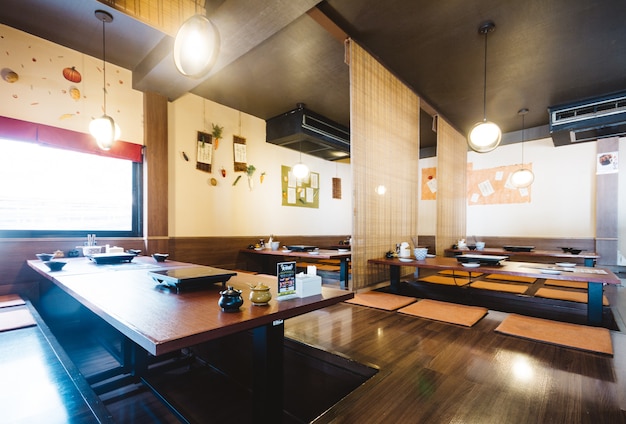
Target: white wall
196	208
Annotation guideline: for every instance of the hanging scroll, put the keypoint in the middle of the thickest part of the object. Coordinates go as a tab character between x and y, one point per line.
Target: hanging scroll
239	152
336	188
205	151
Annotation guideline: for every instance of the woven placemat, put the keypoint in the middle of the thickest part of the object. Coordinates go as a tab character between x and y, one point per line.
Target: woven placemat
503	287
582	337
446	312
572	296
380	300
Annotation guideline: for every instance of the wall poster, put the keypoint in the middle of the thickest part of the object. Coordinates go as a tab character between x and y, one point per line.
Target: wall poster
300	192
492	186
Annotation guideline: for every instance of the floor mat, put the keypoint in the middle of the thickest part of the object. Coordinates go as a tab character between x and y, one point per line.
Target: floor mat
15	317
592	339
446	312
571	296
504	287
379	300
515	278
564	283
449	281
11	300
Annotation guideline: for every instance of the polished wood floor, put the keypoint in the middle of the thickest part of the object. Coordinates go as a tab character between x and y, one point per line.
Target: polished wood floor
428	372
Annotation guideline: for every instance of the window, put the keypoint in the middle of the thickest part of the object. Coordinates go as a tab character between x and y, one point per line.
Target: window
54	192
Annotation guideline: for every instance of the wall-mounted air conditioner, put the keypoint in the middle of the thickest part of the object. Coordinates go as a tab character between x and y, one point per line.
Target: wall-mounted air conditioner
588	120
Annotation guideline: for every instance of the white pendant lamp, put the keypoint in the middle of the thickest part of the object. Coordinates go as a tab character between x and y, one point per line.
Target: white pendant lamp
485	136
196	46
523	177
300	170
104	129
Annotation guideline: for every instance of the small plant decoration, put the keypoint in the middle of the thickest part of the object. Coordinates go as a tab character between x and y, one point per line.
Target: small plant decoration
217	134
250	171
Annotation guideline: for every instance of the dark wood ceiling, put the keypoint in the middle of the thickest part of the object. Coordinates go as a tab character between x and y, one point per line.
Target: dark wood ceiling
275	55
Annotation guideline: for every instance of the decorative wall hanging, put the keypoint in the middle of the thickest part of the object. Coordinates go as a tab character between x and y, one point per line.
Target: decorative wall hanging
205	151
336	188
300	192
217	134
250	171
239	153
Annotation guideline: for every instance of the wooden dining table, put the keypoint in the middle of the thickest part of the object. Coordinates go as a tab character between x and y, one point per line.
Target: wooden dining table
269	266
158	320
584	257
595	277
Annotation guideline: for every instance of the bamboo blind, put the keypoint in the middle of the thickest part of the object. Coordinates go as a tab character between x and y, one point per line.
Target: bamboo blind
164	15
384	140
451	185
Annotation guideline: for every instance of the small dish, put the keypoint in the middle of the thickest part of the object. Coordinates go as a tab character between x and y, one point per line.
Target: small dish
343	250
430	255
470	264
55	265
550	271
314	252
258	248
405	259
44	256
286	251
566	264
160	257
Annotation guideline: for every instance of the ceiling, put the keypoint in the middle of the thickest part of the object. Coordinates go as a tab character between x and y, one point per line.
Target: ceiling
274	54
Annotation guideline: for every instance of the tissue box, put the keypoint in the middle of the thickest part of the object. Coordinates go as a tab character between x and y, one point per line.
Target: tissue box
308	285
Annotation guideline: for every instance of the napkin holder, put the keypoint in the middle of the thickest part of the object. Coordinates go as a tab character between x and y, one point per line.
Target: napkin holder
308	285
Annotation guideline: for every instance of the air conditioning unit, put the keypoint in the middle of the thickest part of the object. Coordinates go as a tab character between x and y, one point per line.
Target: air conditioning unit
588	120
308	132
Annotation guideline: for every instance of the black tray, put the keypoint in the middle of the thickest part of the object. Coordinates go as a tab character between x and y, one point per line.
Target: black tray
191	277
518	248
111	258
481	259
301	248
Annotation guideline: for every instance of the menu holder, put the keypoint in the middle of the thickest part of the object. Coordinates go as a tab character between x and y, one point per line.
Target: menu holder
286	272
191	277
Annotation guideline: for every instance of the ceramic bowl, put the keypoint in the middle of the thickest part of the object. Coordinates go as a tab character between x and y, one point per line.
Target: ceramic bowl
480	245
44	256
420	253
55	265
471	246
160	257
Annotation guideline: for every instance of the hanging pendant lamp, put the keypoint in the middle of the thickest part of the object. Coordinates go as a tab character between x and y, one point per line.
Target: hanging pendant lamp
104	129
300	170
196	46
523	177
485	135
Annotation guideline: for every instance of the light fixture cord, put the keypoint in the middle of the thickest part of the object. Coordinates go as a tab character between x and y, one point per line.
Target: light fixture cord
104	67
523	117
485	81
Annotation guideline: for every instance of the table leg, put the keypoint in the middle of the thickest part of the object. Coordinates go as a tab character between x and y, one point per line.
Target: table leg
267	369
594	303
344	275
394	276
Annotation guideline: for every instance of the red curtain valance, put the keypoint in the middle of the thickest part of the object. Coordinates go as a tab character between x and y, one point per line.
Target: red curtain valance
15	129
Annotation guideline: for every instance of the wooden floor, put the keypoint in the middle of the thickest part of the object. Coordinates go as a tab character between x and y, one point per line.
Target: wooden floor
430	372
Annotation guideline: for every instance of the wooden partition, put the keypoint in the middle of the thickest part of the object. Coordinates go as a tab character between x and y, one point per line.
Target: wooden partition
384	140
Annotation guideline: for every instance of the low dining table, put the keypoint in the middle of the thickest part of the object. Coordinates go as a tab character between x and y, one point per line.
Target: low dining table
343	255
158	320
595	277
587	258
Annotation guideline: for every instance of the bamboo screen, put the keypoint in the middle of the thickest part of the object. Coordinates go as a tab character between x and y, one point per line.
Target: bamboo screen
451	186
384	140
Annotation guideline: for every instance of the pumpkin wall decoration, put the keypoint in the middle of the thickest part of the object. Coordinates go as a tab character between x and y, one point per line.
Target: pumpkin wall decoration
72	75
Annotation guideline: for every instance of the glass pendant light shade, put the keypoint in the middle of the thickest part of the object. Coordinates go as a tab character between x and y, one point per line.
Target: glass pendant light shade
105	131
484	137
300	170
196	46
522	178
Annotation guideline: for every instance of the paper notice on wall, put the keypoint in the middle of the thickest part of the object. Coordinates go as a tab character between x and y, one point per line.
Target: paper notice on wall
607	163
486	189
474	197
432	185
499	175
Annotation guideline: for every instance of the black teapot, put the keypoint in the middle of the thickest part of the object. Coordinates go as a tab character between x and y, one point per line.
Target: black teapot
230	300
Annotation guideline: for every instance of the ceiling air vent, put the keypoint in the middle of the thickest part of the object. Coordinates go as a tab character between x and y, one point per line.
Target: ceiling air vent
308	132
588	120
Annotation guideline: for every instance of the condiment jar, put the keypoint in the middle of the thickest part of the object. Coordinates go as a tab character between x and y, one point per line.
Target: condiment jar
230	300
260	294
